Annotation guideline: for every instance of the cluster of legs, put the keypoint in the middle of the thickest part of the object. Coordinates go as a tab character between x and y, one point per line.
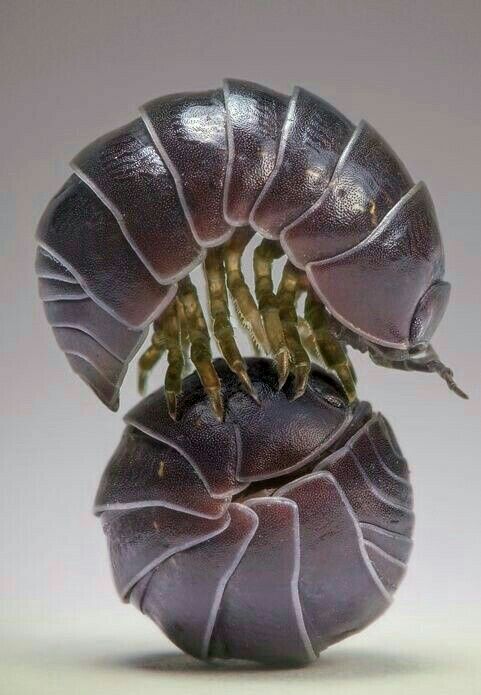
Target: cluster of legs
270	318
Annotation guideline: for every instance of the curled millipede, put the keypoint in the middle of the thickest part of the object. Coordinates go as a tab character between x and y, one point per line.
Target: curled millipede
188	183
268	536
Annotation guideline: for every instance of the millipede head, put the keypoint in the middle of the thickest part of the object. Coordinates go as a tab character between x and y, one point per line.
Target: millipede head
188	183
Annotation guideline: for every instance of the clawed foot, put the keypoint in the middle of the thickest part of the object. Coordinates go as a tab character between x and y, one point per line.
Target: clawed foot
271	322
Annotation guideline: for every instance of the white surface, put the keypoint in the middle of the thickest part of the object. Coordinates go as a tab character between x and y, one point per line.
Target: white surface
121	652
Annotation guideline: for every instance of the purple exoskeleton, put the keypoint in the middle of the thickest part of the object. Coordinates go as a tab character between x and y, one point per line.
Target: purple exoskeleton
190	182
268	536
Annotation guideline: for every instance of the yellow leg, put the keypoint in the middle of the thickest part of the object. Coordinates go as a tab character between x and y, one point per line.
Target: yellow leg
166	337
175	359
287	295
151	356
184	337
254	345
308	339
219	311
274	325
243	300
264	255
331	350
200	351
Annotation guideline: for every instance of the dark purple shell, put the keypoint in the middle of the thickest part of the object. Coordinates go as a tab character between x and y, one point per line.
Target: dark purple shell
147	199
267	537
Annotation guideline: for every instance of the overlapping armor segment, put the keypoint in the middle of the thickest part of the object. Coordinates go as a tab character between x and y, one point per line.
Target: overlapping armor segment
189	183
308	542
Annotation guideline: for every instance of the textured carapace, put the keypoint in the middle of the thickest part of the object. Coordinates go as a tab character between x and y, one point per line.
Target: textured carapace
149	201
268	536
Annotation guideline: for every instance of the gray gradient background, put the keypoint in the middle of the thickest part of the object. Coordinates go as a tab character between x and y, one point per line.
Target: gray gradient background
70	71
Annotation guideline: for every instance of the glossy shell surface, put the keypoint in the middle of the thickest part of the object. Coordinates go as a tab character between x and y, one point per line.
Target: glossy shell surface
267	537
148	199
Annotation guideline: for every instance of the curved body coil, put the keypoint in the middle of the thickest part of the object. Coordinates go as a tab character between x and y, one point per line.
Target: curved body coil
268	536
147	200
